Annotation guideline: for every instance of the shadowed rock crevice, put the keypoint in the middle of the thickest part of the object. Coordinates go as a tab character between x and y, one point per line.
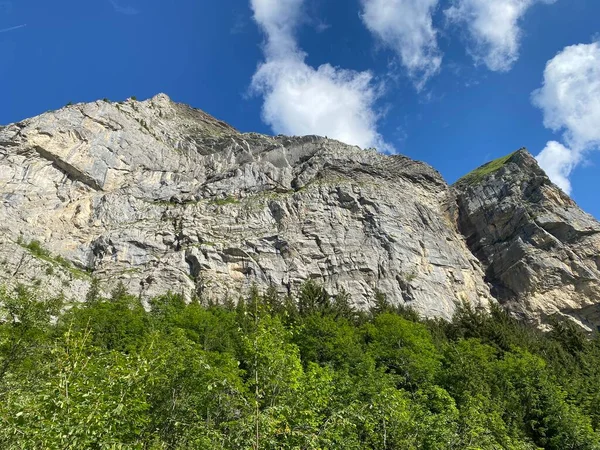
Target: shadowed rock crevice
70	171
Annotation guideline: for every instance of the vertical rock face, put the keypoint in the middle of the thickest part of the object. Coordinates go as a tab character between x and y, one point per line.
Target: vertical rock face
164	197
541	253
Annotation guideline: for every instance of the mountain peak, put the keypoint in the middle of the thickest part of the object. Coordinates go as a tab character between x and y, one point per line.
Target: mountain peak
520	161
532	238
161	97
526	162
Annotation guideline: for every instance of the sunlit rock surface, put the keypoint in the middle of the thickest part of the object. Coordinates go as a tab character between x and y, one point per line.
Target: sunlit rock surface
164	197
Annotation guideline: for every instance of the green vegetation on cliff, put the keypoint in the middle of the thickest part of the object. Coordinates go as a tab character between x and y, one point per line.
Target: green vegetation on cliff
301	372
477	175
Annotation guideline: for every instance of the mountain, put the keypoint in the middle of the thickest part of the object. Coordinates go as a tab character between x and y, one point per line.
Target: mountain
540	251
161	196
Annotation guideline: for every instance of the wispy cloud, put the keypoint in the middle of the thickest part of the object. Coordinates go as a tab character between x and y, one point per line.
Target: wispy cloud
406	26
5	30
493	28
300	99
569	100
321	26
239	25
122	9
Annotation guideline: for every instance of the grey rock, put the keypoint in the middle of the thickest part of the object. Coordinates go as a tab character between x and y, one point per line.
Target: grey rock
540	251
161	196
164	197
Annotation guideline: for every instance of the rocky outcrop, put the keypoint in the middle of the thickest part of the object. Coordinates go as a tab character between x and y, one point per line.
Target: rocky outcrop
541	253
163	197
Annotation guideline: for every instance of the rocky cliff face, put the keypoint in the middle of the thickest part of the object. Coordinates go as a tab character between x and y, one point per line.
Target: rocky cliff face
541	253
164	197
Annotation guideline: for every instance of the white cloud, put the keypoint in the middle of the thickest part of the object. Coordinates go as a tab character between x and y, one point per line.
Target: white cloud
406	26
279	19
121	9
301	100
331	102
493	28
558	161
570	101
570	95
321	26
5	30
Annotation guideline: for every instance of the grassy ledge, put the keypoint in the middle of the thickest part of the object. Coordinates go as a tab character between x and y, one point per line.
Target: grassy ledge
36	249
480	173
225	201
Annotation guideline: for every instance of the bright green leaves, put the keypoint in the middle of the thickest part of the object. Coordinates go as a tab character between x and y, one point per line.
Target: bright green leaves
25	325
116	324
329	341
546	415
273	372
85	398
272	363
194	395
404	348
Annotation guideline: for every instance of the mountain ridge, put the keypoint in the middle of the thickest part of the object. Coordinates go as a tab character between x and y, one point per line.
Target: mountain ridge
160	196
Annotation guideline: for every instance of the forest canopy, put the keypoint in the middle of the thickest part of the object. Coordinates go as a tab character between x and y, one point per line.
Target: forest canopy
306	371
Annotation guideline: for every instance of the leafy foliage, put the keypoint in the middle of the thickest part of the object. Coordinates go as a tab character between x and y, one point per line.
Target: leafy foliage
297	372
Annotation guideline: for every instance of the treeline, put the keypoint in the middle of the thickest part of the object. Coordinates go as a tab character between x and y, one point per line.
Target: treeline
301	372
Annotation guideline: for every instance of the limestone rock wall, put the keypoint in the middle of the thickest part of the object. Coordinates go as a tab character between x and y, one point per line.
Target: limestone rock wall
164	197
541	253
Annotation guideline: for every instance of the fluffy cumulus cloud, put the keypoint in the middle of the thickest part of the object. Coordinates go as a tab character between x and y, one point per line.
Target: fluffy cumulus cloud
331	102
406	26
493	28
300	99
570	101
279	20
558	161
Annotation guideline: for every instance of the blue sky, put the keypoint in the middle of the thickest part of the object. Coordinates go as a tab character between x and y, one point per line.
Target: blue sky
448	82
